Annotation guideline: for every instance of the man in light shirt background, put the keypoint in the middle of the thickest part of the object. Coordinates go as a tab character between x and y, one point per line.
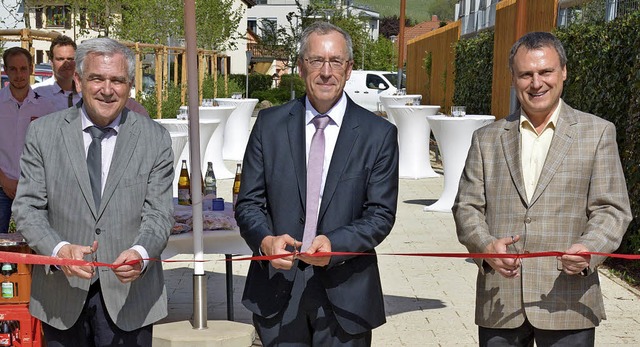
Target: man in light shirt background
61	87
19	105
546	178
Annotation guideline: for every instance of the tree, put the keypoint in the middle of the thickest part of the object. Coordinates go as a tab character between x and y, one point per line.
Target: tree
379	55
389	26
217	24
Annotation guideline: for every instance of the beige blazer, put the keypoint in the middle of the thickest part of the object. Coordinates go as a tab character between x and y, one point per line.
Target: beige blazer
54	203
581	197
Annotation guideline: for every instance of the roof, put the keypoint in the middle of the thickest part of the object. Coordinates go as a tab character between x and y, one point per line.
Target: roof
420	29
250	3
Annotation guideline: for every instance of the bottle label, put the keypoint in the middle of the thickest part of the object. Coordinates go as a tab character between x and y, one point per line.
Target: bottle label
7	290
183	196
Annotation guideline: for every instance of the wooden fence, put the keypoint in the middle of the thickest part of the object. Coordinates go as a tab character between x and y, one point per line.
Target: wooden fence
438	87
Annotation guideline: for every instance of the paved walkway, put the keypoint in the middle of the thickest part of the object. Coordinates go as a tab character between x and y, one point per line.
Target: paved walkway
429	301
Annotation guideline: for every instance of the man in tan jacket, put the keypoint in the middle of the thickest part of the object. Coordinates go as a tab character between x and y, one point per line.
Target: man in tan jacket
546	178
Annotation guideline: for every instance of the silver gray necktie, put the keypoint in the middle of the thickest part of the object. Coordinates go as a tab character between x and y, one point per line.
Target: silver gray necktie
94	162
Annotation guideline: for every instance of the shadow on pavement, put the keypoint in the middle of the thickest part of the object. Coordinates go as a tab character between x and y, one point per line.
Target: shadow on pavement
424	202
400	304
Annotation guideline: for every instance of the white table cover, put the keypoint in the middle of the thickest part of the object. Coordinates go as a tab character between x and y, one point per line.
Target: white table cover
388	100
214	241
207	128
413	139
237	128
453	135
213	151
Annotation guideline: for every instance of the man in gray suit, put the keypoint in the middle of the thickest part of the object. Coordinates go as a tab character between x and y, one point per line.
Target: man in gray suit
546	178
347	203
118	213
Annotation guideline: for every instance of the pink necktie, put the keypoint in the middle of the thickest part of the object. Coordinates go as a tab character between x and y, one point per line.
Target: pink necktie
314	180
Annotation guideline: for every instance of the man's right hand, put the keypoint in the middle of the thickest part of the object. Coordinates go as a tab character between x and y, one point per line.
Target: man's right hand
70	251
274	245
507	267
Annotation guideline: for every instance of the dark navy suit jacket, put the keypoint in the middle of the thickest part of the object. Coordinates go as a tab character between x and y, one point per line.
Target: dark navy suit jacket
357	210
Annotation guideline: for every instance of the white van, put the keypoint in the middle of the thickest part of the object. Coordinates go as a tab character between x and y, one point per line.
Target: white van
365	87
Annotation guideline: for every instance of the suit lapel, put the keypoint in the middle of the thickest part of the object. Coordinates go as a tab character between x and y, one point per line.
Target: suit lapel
346	139
510	140
560	145
128	135
74	145
296	134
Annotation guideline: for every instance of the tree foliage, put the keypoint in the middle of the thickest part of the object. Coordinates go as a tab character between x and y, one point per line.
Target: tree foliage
154	21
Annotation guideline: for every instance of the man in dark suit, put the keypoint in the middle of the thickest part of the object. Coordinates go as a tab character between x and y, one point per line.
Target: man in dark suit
329	300
116	209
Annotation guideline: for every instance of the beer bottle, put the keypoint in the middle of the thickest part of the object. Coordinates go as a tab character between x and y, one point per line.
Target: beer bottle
210	189
236	185
184	186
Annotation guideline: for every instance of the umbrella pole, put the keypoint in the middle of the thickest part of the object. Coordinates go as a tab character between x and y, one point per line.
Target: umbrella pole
199	279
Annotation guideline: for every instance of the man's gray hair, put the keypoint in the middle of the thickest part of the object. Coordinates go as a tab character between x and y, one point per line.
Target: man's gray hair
537	40
322	28
104	46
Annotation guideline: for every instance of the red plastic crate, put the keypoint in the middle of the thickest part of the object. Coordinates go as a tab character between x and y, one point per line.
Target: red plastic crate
29	333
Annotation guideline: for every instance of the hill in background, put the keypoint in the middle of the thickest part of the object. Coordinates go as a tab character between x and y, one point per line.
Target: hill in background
415	9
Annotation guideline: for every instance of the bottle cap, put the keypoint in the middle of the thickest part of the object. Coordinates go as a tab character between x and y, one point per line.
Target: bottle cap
218	204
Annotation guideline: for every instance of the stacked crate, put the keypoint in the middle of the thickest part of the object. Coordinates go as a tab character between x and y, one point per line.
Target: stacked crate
17	327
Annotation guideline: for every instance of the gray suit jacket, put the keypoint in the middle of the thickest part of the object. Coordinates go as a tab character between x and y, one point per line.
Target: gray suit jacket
356	213
54	203
581	197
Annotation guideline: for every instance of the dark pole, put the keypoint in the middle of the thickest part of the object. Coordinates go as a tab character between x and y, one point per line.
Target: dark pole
401	43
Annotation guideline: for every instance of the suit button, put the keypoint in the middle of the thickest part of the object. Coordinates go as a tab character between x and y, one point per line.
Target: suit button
527	220
301	220
98	231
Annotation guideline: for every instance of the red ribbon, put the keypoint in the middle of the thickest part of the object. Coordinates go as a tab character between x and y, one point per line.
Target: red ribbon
450	255
34	259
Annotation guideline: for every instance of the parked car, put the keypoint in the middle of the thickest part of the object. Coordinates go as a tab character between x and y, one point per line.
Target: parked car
366	87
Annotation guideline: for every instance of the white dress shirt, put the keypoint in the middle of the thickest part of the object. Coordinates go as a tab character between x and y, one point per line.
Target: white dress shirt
336	113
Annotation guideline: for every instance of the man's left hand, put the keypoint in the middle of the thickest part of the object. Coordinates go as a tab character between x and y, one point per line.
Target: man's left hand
320	243
574	263
128	273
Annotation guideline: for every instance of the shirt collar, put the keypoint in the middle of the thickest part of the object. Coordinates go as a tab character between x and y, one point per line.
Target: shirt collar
336	113
87	122
553	121
7	96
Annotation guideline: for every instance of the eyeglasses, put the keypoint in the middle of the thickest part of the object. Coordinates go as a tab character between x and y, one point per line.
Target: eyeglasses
318	64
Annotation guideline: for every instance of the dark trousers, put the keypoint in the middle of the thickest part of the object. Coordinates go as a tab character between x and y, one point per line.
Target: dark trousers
5	211
95	328
307	320
526	334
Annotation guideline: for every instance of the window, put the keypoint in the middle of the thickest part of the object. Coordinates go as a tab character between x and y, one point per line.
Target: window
374	81
38	18
91	20
58	17
252	24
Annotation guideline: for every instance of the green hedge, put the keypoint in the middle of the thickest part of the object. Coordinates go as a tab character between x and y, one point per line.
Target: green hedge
257	82
603	78
474	73
282	94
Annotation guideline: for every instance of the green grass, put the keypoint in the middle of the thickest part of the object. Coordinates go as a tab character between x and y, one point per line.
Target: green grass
415	9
